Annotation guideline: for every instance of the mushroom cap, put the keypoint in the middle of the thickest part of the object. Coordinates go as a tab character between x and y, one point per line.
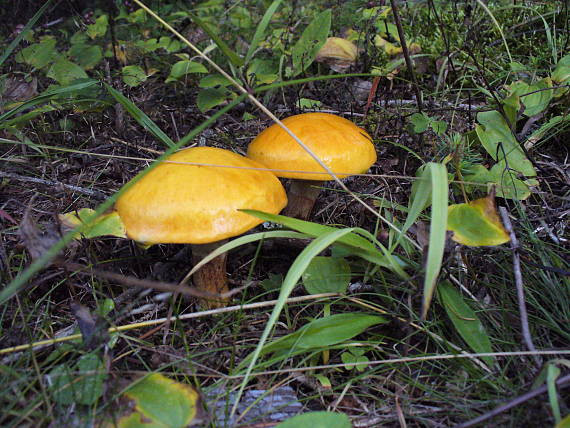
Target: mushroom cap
191	204
339	143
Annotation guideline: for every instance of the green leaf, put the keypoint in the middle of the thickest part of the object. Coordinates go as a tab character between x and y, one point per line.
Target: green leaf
437	230
226	50
133	75
40	54
538	98
260	30
157	401
84	385
438	126
552	373
210	98
465	320
317	420
420	122
561	73
213	80
99	28
312	39
499	141
86	56
327	275
182	68
65	72
105	225
320	333
476	223
273	282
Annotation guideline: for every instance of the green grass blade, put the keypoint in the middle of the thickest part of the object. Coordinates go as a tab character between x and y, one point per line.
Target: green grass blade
140	116
226	50
355	241
419	200
437	231
24	31
48	95
260	30
242	240
291	279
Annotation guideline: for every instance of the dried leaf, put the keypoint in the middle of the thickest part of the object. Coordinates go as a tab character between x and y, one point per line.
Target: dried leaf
338	53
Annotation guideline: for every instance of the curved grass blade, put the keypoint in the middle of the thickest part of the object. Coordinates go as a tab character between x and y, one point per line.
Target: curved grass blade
291	279
140	116
238	242
437	230
260	30
46	96
24	31
226	50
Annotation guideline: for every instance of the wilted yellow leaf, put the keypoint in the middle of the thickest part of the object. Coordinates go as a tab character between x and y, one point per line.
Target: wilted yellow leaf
338	53
476	223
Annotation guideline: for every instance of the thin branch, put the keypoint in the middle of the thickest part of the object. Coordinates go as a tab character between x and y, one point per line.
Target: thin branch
563	382
518	280
406	53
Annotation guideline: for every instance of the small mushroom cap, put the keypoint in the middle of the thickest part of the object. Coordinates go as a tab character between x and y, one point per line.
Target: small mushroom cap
339	143
191	204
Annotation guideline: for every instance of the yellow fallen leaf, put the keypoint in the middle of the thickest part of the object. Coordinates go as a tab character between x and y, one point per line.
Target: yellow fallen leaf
476	223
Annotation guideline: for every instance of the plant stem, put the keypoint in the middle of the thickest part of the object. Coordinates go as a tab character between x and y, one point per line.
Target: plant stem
211	278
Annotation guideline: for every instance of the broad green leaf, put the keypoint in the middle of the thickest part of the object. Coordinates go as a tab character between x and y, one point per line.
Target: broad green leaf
86	56
133	75
552	373
40	54
538	98
66	72
213	80
182	68
99	28
465	320
159	402
105	225
317	420
140	116
210	98
327	275
476	223
561	73
226	50
499	141
312	39
438	126
82	385
437	230
260	30
506	183
420	122
320	333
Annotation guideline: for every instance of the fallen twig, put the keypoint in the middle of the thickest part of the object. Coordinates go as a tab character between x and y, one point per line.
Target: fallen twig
518	281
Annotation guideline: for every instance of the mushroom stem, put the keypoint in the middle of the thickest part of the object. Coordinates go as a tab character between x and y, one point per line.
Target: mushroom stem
211	278
302	195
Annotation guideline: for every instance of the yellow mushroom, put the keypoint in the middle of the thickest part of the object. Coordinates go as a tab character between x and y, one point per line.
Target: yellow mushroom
342	146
